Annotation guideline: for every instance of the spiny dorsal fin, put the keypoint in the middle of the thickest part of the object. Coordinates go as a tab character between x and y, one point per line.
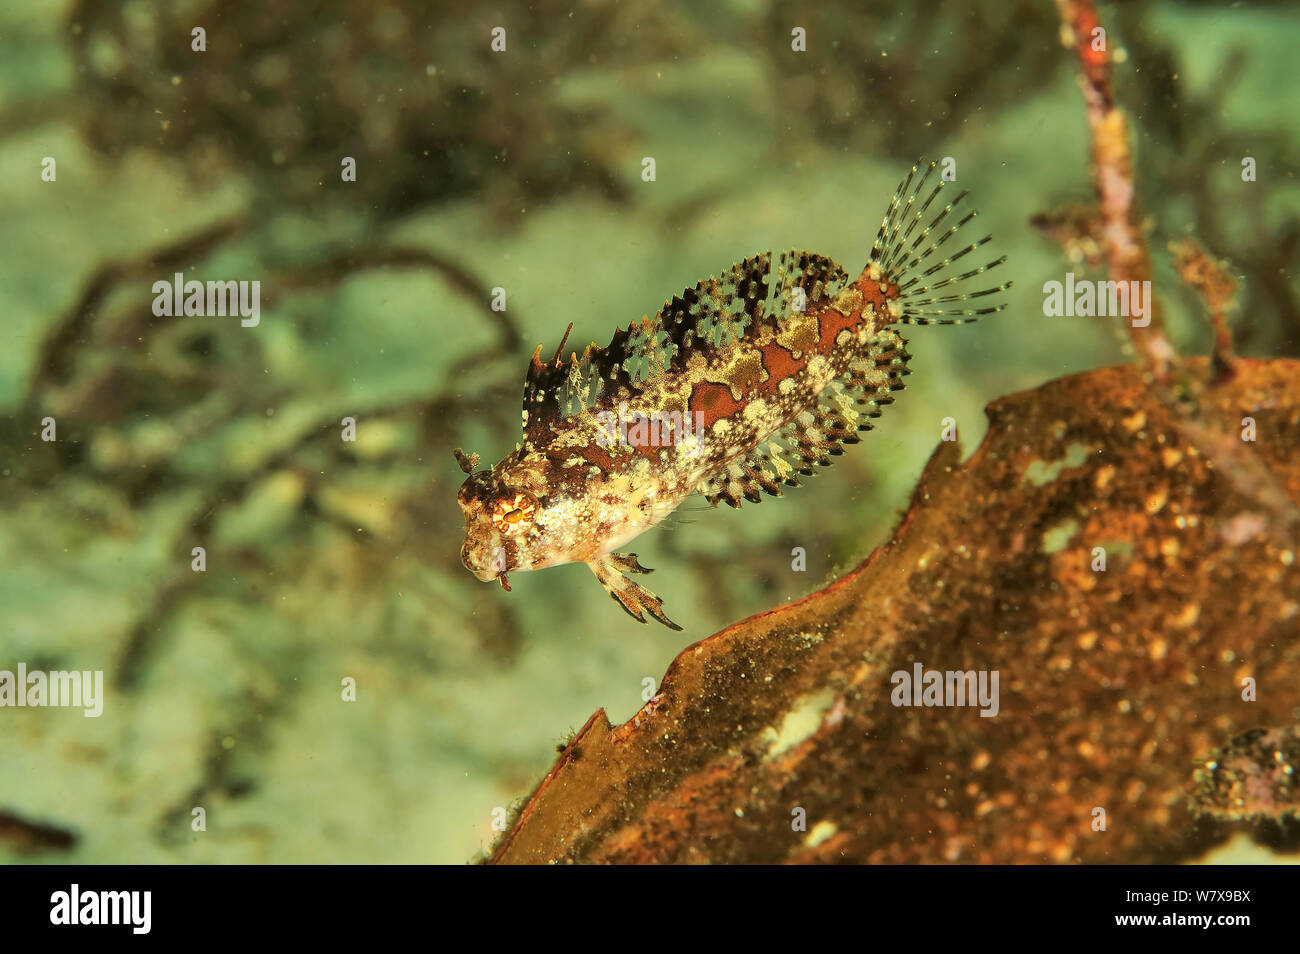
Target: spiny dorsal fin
748	299
556	390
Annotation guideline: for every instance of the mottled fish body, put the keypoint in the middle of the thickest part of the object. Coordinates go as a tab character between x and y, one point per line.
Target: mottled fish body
736	388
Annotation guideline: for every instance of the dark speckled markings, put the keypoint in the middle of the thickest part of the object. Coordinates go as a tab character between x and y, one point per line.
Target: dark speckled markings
778	363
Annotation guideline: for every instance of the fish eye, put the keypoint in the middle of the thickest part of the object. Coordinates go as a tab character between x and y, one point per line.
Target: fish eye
512	514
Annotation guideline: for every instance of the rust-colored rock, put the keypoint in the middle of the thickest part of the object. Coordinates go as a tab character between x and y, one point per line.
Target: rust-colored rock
1115	685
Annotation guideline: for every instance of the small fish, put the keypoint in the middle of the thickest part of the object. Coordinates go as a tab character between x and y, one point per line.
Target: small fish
736	388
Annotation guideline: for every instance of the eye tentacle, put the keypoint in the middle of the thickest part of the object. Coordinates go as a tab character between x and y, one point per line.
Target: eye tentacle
468	462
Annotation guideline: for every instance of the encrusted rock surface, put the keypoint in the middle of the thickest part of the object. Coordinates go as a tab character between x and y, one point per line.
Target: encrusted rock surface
1116	685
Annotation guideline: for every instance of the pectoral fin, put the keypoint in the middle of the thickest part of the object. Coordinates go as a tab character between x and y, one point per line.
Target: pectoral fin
611	570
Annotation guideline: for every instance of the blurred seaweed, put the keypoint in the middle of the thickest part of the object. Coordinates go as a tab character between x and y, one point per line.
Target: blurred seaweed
895	78
409	88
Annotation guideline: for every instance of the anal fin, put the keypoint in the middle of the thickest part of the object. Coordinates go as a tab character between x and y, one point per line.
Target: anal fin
761	471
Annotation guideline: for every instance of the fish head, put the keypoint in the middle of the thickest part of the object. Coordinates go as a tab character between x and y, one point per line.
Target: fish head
512	522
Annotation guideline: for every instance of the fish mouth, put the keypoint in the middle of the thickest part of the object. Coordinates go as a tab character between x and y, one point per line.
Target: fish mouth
488	575
485	572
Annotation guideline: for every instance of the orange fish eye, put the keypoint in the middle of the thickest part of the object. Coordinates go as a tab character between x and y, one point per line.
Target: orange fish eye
510	514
